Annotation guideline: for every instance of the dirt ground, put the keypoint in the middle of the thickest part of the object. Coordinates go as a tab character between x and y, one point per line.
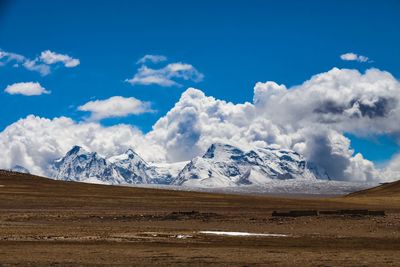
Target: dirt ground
46	222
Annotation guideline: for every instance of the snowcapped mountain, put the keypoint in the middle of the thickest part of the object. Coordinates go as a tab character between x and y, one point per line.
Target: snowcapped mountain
228	166
127	168
221	166
132	169
80	165
168	171
20	169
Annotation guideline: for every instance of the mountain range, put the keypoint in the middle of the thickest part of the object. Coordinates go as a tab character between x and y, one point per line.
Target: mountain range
222	165
225	166
127	168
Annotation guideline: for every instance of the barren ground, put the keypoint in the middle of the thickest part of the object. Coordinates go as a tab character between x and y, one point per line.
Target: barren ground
46	222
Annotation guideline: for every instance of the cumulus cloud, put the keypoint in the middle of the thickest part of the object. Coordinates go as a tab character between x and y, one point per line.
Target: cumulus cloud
165	76
116	106
6	57
310	118
342	99
394	165
33	142
354	57
34	65
196	121
392	170
26	88
331	150
18	60
49	57
152	59
39	64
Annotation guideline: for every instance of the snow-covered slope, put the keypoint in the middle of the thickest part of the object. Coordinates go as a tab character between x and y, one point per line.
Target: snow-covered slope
222	166
228	166
132	169
168	171
127	168
20	169
80	165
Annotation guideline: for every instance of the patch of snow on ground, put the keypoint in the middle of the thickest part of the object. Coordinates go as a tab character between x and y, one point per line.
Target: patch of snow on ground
183	236
240	234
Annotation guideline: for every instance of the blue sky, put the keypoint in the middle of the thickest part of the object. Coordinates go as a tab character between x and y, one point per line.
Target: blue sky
233	43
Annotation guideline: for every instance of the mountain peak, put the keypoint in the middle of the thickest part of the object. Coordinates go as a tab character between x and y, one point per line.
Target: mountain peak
130	153
126	168
128	156
226	165
76	150
222	165
221	150
20	169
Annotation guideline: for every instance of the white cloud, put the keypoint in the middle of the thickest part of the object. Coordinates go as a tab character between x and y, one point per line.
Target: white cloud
341	99
196	121
34	65
392	171
19	60
394	165
152	59
39	64
310	118
33	142
7	57
26	88
167	75
50	57
354	57
116	106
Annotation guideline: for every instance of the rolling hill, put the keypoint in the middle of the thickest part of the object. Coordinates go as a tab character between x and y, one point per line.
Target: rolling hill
45	222
385	190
